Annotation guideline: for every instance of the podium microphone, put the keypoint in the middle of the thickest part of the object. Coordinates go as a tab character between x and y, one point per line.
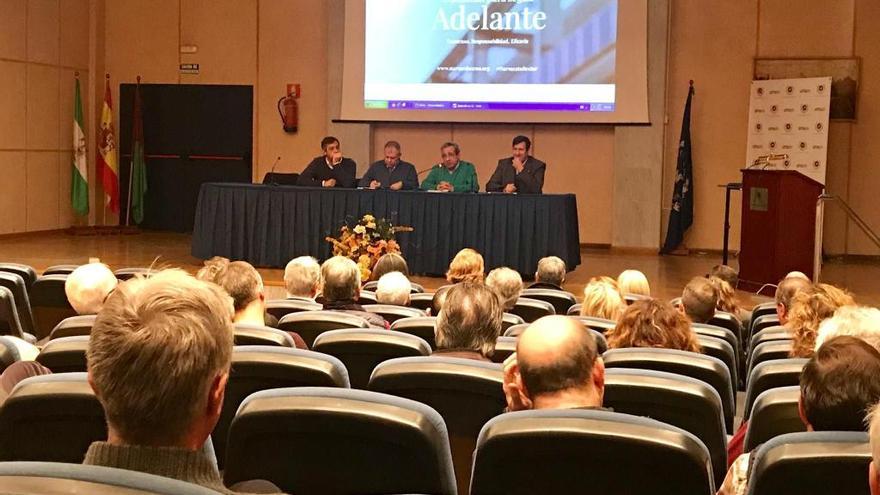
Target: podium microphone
271	174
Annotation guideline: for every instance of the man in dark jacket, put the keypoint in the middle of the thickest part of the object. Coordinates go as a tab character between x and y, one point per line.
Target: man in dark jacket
520	173
330	169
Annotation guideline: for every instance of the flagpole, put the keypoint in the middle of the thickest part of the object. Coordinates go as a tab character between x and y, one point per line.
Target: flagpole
103	203
131	164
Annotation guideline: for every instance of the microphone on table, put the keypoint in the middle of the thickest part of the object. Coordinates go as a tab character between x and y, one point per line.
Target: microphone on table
420	172
272	181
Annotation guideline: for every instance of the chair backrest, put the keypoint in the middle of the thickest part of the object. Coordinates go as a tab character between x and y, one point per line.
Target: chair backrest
775	413
73	326
730	322
55	478
719	333
258	367
367	297
465	392
310	324
361	350
765	308
586	451
767	351
812	463
421	326
382	444
561	300
631	298
65	354
516	330
393	313
721	349
504	347
49	303
249	334
279	308
706	368
19	288
532	309
51	418
374	284
677	400
574	310
421	300
26	272
509	319
768	334
8	353
65	269
124	274
9	322
762	322
600	325
771	374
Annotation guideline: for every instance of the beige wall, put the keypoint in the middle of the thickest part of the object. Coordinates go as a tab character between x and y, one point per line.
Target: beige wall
42	44
270	43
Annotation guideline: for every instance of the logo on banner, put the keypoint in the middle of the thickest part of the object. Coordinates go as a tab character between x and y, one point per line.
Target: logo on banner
772	145
805	108
789	90
820	127
803	146
774	109
817	164
788	127
759	91
820	89
786	163
758	127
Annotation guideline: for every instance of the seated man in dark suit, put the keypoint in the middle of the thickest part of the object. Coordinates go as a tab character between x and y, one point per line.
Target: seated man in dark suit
392	172
330	169
469	323
521	172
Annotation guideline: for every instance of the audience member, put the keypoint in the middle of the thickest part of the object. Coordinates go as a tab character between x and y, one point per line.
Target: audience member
838	386
302	278
507	284
88	286
438	300
727	299
393	288
243	284
467	265
652	323
550	274
17	372
387	263
342	286
785	292
469	323
159	359
726	273
633	282
808	309
874	433
556	366
699	300
856	321
602	299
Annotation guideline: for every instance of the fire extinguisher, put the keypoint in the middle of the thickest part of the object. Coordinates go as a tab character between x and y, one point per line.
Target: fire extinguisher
287	108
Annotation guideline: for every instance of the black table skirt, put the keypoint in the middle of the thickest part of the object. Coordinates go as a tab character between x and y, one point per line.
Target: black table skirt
269	225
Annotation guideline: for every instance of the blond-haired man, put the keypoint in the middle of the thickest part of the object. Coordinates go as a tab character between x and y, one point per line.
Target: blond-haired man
150	330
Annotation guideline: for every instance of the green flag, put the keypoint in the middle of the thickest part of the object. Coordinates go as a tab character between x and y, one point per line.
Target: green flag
79	189
138	178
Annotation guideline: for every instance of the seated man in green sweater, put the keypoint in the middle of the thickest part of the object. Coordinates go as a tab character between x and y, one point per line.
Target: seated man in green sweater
452	173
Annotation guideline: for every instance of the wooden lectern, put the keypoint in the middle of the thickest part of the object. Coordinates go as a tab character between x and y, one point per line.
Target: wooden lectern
778	226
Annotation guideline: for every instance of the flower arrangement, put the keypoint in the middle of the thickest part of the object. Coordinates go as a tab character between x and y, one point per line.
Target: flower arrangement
365	241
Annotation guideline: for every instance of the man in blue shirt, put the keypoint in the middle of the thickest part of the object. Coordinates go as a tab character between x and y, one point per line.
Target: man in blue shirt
392	172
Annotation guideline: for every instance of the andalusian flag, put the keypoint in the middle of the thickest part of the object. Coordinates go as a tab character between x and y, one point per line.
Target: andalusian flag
79	190
108	169
137	186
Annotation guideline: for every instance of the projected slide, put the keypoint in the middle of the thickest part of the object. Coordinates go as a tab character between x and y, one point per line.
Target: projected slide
545	55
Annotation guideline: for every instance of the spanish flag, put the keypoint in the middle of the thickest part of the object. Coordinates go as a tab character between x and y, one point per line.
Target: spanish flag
108	169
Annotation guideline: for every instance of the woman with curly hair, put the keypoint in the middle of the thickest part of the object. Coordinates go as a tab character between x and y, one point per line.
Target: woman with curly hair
808	309
466	266
602	299
653	323
726	296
